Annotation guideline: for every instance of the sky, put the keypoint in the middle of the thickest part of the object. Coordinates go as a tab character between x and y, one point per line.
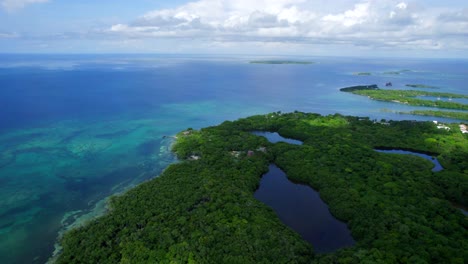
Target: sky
401	28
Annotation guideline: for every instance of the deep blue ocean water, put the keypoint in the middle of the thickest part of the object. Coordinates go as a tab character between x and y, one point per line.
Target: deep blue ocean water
75	129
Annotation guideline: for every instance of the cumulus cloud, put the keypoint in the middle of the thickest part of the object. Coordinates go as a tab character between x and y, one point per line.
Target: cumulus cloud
369	23
217	18
358	15
12	5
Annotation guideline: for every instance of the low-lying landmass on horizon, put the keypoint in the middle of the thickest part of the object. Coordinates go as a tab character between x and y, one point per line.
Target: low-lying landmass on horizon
280	62
423	86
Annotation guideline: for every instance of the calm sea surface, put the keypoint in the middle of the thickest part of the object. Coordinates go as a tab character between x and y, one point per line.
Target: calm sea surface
75	129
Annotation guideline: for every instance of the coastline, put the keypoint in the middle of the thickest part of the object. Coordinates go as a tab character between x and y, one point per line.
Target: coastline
414	98
59	184
217	189
80	218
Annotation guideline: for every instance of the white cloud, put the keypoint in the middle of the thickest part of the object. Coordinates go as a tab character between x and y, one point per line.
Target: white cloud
342	24
217	18
358	15
367	23
402	5
12	5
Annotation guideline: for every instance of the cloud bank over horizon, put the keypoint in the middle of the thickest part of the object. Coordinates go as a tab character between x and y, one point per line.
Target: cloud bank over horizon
301	25
370	23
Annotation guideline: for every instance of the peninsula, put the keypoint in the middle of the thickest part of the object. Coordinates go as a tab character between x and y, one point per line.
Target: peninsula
415	98
461	115
280	62
203	210
422	86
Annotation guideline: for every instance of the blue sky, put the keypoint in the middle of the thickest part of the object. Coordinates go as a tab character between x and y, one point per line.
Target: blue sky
413	28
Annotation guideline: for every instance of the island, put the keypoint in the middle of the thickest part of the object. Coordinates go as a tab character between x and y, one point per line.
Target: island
422	86
203	209
356	88
362	73
396	72
281	62
415	98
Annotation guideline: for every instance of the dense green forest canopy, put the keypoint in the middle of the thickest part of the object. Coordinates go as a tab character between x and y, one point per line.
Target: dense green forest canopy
202	209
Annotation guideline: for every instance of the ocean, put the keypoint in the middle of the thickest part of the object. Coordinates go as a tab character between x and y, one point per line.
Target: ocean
75	129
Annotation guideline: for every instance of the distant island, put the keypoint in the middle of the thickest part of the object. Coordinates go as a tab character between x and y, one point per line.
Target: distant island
362	73
202	209
422	86
412	97
396	72
356	88
280	62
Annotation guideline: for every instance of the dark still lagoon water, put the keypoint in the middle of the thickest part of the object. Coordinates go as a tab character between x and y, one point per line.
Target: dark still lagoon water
75	129
300	207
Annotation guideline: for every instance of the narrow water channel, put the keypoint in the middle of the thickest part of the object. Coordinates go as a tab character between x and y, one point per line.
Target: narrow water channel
437	167
300	207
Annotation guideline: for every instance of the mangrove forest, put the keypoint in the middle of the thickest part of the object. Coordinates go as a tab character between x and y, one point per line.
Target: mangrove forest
202	209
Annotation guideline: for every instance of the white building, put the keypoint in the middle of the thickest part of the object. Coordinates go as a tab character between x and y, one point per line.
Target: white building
464	128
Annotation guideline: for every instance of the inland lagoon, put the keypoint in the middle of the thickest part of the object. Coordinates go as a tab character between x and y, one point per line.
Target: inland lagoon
300	207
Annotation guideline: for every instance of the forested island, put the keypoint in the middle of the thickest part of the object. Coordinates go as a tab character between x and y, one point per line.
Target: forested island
281	62
355	89
415	98
396	72
202	209
362	73
422	86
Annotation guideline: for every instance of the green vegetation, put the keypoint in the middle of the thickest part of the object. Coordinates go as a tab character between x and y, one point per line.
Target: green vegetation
203	211
448	114
422	86
281	62
335	122
408	97
353	89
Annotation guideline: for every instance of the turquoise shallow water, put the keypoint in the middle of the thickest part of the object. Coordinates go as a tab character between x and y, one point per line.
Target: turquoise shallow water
75	129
